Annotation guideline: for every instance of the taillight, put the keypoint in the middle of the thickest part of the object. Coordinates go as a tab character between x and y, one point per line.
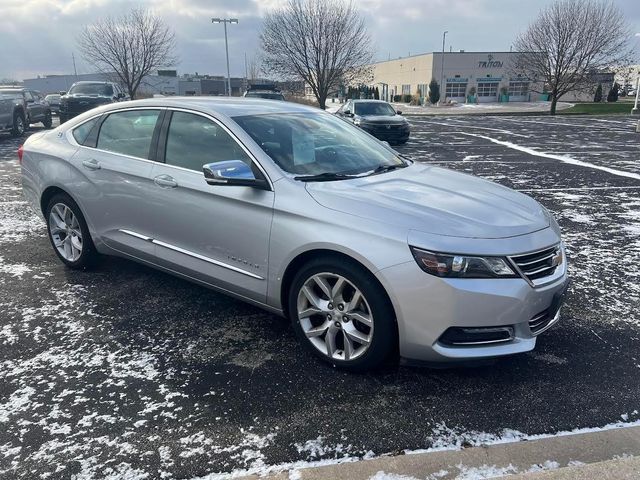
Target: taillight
20	152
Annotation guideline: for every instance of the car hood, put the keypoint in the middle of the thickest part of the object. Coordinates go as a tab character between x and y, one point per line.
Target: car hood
435	200
85	97
385	119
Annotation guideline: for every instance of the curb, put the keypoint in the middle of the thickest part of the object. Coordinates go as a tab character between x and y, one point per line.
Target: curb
560	457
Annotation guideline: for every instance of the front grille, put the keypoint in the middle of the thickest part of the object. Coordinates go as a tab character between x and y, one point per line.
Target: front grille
539	264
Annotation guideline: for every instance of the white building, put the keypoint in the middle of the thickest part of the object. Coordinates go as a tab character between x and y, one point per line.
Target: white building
458	73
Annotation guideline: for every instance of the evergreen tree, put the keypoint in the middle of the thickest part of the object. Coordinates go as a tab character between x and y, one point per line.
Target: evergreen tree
613	93
598	96
434	92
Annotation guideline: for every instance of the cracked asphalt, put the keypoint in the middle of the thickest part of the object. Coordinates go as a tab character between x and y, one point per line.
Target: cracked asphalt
124	371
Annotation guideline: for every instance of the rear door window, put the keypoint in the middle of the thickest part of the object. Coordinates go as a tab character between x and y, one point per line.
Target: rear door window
129	133
194	141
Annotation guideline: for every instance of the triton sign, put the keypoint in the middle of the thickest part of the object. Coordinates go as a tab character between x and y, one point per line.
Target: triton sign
490	63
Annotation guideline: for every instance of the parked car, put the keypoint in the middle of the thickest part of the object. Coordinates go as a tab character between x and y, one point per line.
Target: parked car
85	95
378	118
53	99
13	112
269	92
35	109
291	209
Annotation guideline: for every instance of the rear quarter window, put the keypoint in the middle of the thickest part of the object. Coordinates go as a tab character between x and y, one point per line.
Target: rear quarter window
81	133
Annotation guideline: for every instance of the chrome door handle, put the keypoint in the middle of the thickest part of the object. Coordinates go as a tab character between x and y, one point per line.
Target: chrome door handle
165	181
91	164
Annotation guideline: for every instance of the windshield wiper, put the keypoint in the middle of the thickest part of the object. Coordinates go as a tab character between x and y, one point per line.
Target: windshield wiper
388	168
324	177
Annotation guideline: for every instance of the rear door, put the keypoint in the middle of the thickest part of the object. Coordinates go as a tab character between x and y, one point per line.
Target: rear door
217	234
117	196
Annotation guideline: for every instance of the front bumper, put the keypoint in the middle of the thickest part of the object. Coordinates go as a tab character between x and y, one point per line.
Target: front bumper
427	306
389	133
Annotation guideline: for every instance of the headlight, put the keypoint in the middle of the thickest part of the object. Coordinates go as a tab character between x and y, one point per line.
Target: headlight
462	266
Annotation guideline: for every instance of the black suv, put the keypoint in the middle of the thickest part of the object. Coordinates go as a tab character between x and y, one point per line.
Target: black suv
83	96
267	91
377	118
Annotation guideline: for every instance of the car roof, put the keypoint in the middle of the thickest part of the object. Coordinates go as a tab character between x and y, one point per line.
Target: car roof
12	87
83	82
229	106
368	101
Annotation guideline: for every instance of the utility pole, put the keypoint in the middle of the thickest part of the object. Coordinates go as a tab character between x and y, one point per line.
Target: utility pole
442	89
226	46
75	72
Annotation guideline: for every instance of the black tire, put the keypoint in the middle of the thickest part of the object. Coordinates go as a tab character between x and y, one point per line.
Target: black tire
89	256
384	337
48	121
18	128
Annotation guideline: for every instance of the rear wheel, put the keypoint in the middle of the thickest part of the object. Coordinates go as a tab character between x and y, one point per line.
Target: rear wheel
18	125
342	314
68	232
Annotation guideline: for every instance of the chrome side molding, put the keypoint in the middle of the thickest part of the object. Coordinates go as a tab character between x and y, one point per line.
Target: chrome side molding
190	253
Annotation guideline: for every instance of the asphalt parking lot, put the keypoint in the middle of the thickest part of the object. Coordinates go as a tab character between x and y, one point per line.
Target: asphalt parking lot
128	371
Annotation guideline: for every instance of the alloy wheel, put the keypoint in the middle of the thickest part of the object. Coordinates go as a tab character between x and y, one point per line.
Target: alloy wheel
19	125
65	232
335	316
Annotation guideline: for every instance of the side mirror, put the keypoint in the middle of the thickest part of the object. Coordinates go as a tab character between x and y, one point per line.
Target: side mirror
232	173
347	113
30	100
121	95
62	93
399	112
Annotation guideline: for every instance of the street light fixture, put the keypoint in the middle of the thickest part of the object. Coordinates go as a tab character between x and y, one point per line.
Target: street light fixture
226	46
444	36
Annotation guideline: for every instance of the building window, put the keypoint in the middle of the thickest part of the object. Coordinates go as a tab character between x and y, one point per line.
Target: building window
454	90
424	89
518	89
406	89
487	89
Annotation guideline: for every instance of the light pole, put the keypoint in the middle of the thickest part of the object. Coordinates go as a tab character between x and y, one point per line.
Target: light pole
635	110
444	36
226	46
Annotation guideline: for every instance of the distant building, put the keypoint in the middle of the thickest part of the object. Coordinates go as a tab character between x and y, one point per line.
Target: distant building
486	72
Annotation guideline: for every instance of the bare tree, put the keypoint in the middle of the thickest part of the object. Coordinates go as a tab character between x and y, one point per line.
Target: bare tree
131	46
254	67
323	42
569	42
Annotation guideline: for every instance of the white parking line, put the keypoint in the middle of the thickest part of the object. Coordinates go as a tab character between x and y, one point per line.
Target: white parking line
563	124
561	158
460	124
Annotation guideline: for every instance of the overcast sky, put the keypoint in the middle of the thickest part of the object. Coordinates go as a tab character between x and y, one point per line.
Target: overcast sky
37	37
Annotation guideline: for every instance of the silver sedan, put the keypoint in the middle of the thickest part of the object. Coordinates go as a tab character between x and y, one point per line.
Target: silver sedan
292	209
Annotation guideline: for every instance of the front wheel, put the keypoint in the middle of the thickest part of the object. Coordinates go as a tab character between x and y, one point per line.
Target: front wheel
342	314
18	125
68	233
48	121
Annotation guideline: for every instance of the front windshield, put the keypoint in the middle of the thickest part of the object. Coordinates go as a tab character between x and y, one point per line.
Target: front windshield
373	108
92	89
317	143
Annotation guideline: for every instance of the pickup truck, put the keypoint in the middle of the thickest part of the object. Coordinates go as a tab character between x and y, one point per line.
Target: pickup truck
13	114
20	107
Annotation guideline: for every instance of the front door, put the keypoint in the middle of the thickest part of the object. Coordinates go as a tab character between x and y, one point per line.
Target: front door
217	234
